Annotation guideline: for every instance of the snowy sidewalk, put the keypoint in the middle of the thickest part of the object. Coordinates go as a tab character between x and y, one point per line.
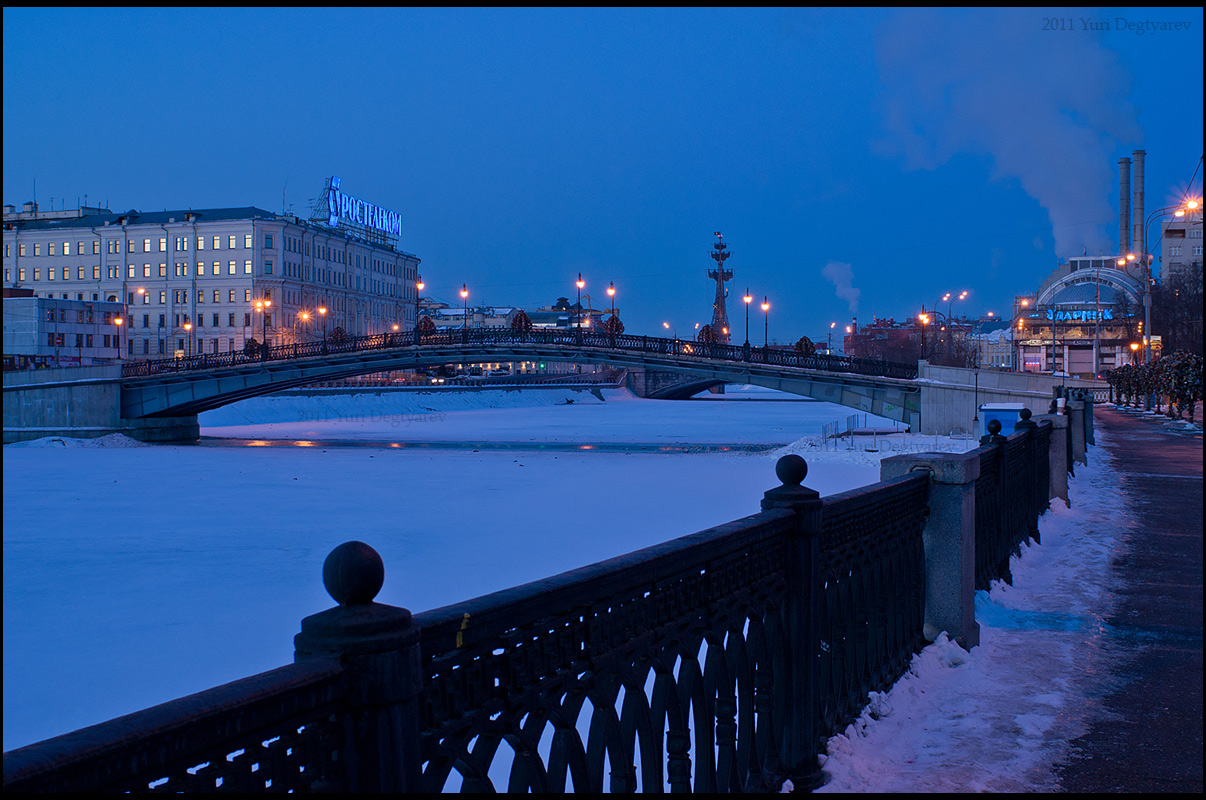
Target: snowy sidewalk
1149	738
1050	666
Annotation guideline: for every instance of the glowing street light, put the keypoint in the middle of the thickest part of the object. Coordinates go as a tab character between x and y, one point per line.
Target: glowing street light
262	306
765	323
465	321
748	299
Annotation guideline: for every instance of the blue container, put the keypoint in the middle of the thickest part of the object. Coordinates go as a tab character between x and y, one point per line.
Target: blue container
1005	413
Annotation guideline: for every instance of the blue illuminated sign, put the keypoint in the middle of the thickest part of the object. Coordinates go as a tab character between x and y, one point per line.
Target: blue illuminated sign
1079	316
344	206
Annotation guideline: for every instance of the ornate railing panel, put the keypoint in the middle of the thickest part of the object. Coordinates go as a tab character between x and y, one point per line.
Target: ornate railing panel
578	341
278	731
626	662
873	569
993	545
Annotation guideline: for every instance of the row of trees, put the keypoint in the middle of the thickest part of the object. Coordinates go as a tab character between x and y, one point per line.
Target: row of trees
1177	376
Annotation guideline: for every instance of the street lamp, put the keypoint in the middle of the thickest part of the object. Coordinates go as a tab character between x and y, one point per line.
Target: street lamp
465	322
188	336
829	347
117	321
304	316
578	308
747	300
765	323
322	312
262	306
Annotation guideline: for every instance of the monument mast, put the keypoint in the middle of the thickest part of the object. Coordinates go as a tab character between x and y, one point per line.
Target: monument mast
720	316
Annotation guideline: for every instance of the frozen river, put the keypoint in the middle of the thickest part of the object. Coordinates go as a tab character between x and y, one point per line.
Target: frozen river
134	575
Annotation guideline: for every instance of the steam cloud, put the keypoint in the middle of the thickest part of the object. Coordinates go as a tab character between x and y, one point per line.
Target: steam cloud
842	277
1050	110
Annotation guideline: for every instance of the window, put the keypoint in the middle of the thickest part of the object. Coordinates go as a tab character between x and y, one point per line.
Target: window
215	325
50	273
232	295
161	319
217	297
230	268
88	340
200	268
200	242
268	241
50	249
246	320
246	267
233	241
246	295
146	320
37	249
217	242
162	344
96	273
21	250
95	248
146	245
146	270
163	270
163	244
163	298
146	347
131	271
230	320
79	273
247	241
200	297
267	267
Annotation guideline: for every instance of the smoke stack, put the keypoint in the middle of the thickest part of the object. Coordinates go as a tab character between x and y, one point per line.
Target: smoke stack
1124	206
1139	239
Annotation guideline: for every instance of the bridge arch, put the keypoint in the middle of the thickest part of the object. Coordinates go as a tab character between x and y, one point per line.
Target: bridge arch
175	388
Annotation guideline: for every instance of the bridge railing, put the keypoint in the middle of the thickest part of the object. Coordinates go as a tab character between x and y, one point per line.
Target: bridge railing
501	337
720	661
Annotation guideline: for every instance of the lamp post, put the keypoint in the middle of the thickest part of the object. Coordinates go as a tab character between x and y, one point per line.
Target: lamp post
322	312
262	306
465	322
829	346
188	337
578	308
924	318
748	299
118	322
765	323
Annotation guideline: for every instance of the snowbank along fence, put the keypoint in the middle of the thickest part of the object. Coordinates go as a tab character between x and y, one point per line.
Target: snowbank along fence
720	661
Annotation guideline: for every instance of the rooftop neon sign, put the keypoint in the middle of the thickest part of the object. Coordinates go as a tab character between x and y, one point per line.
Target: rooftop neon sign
344	206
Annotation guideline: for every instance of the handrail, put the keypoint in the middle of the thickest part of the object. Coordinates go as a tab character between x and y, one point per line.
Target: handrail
576	342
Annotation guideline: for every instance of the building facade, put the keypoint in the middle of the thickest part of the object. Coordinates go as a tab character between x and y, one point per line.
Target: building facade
1083	318
49	332
191	279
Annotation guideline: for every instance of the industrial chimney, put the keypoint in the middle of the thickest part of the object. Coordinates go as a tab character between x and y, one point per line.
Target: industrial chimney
1124	206
1139	239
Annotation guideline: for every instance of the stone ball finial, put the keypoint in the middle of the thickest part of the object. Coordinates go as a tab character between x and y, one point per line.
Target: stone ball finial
791	470
353	573
1025	414
994	426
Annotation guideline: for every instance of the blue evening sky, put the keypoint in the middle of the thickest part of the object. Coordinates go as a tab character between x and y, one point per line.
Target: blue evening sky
858	162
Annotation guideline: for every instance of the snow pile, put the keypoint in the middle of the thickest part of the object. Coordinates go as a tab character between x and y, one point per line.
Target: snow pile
111	440
998	717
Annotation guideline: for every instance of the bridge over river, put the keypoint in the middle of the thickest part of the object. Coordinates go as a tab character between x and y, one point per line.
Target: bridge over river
159	400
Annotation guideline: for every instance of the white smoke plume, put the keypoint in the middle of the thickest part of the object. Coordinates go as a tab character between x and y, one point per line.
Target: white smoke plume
1050	108
842	277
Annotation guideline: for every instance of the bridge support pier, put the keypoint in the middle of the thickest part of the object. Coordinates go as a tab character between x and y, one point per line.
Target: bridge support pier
81	403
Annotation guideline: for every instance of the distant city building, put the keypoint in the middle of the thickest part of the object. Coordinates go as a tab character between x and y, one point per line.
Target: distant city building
47	332
1181	244
1083	318
206	268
